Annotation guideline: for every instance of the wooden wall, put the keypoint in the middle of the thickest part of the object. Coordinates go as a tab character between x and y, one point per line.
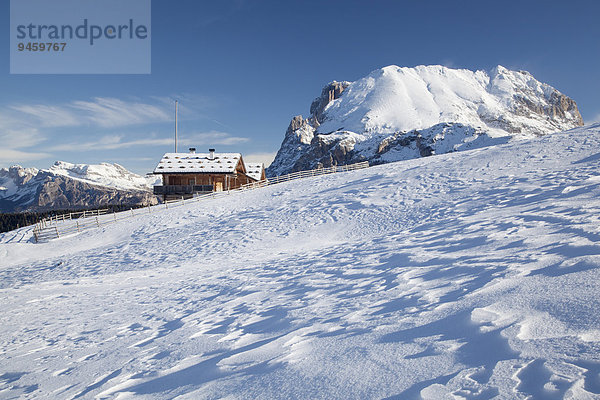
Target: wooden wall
227	181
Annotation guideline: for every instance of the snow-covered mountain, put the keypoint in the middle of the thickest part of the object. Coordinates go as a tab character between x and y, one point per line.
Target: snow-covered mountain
104	174
399	113
66	185
469	275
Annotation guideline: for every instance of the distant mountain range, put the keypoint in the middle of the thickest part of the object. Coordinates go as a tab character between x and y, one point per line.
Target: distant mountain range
66	185
399	113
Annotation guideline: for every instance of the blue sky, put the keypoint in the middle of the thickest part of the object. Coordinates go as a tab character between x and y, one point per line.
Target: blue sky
242	69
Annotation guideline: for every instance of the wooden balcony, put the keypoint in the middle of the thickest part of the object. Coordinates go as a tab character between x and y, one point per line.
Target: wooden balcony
182	189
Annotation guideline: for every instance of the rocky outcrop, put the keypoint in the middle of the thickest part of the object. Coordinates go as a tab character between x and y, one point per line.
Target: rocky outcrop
329	93
63	192
298	139
326	151
559	107
530	99
400	113
438	139
300	147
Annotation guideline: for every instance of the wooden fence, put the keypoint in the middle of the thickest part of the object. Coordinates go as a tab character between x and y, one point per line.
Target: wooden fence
75	222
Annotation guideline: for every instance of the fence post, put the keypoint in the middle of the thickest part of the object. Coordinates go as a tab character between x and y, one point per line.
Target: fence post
77	222
97	222
56	229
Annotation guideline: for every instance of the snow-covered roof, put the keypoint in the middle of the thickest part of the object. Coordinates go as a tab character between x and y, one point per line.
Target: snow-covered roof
255	170
198	163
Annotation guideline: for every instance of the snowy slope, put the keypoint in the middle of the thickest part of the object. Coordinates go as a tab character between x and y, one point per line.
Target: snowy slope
468	275
350	120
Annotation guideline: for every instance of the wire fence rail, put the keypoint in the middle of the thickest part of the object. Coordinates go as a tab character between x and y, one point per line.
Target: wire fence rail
71	223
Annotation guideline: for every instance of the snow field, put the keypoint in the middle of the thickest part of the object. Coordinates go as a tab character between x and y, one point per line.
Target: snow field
466	275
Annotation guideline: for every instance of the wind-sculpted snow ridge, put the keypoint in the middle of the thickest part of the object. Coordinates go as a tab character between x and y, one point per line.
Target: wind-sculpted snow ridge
469	275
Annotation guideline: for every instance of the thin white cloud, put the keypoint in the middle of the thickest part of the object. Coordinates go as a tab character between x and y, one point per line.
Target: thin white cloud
113	142
109	143
20	138
110	112
212	138
16	138
12	156
191	106
103	112
265	158
49	116
23	127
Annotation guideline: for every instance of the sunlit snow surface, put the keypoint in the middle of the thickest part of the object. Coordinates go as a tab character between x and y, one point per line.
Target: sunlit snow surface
466	275
393	99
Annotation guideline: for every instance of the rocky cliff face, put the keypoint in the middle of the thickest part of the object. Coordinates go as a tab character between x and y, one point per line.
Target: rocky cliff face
328	94
399	113
28	189
297	148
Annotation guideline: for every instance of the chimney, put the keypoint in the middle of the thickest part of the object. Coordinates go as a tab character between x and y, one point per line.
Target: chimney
212	154
192	150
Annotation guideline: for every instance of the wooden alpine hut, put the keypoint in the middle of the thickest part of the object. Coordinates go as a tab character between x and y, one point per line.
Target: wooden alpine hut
186	174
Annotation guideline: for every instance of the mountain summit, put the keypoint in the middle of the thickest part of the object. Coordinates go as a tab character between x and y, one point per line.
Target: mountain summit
398	113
